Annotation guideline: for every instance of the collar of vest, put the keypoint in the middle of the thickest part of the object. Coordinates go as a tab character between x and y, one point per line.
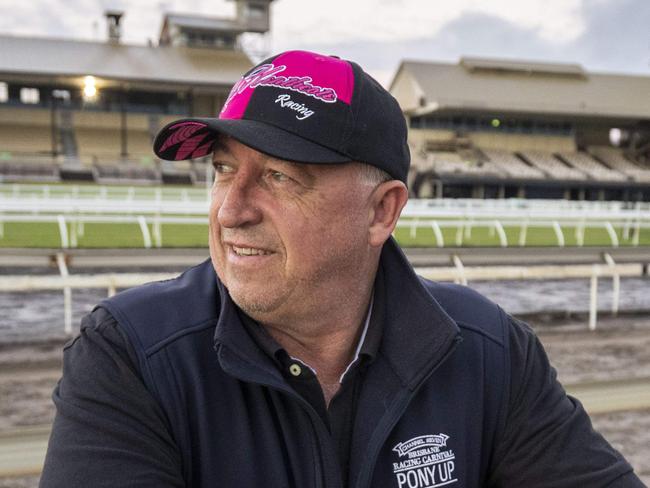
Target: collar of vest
417	332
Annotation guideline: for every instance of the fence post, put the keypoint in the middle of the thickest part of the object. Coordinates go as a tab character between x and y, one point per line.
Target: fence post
637	232
111	286
522	233
414	228
73	232
612	233
157	230
616	283
580	233
146	236
462	277
459	234
503	239
438	233
63	231
558	233
468	228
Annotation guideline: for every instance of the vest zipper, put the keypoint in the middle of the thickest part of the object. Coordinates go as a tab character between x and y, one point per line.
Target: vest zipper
365	475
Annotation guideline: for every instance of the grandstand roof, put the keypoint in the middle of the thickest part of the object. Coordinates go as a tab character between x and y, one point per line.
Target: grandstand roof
489	85
71	58
203	22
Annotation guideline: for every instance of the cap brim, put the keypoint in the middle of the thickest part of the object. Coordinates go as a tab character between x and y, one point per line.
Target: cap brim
194	137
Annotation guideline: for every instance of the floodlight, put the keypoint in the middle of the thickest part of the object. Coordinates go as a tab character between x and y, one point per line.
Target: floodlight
90	90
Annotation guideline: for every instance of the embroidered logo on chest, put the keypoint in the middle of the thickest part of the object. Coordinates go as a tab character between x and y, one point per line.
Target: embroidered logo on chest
424	462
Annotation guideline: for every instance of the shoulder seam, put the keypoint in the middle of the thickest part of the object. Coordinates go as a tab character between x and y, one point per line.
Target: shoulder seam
205	324
481	331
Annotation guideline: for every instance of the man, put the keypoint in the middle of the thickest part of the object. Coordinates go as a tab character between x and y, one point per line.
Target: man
306	352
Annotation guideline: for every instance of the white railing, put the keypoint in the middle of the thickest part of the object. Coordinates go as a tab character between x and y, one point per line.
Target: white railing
73	206
169	200
72	226
457	273
520	206
631	230
76	225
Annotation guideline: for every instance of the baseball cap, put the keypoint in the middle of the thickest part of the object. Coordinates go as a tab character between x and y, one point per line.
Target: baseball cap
304	107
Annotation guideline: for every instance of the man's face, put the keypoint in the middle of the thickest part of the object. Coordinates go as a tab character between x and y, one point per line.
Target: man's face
286	236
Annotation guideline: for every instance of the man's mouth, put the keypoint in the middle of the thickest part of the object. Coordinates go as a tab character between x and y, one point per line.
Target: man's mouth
249	251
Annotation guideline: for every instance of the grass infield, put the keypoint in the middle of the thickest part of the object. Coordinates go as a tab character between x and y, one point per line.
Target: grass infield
46	235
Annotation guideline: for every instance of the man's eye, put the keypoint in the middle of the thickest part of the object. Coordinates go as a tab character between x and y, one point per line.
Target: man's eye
279	176
221	168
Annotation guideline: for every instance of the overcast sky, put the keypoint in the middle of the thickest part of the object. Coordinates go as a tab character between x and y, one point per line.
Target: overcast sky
602	35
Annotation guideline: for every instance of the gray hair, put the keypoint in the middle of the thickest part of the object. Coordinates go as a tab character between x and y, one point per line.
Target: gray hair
372	175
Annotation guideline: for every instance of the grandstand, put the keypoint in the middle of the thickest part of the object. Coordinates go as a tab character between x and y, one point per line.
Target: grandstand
487	128
481	128
81	110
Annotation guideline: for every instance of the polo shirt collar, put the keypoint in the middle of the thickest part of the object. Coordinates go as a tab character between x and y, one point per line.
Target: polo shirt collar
367	346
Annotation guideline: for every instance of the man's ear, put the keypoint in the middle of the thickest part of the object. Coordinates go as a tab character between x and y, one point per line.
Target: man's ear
387	202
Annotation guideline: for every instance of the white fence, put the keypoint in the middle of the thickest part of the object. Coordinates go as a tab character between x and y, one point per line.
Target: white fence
631	229
457	273
190	207
169	200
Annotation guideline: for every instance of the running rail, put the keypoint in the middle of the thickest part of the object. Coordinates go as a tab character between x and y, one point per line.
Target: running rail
457	273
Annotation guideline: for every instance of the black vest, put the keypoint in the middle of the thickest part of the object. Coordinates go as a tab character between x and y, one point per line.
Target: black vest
428	412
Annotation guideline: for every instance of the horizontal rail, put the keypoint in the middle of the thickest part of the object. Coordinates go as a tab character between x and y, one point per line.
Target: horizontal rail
167	258
437	273
458	273
102	199
102	205
104	219
495	273
11	283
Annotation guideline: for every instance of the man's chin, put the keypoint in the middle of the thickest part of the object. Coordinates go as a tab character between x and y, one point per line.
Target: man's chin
254	304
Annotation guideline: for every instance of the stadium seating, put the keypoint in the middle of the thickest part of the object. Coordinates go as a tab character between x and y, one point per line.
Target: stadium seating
615	159
126	173
99	137
595	169
553	167
25	131
512	165
16	170
451	163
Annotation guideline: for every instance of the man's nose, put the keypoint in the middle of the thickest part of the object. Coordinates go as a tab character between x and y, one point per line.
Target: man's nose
238	206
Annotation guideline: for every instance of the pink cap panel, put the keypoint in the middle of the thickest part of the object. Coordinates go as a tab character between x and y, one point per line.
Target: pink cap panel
324	78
